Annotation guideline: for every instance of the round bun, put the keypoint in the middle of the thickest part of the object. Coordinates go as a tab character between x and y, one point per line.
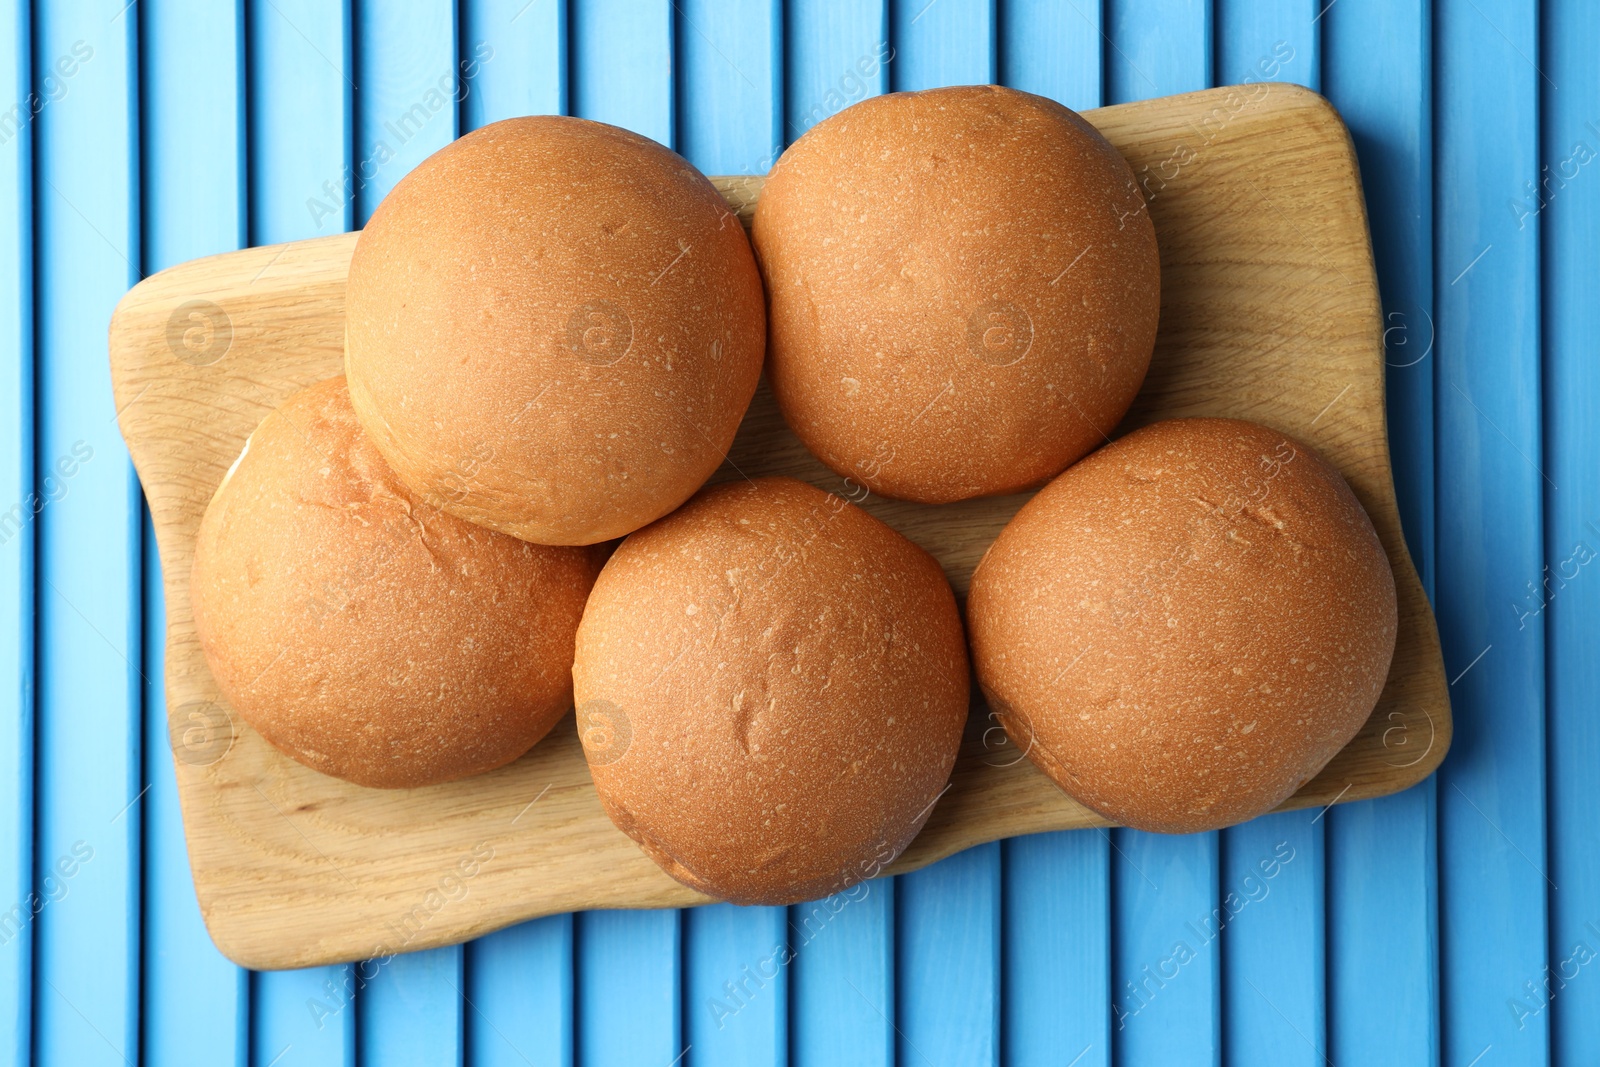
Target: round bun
963	288
771	690
553	329
1185	627
365	633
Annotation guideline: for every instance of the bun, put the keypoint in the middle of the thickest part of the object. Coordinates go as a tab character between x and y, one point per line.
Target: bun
554	328
1185	627
963	287
363	632
772	686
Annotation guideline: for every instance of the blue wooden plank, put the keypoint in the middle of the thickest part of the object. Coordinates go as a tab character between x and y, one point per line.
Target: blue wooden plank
1494	879
519	996
628	963
947	961
1269	41
730	121
16	539
302	175
409	1013
621	73
1382	854
196	1007
629	1009
1164	900
1272	946
1273	974
1056	913
1053	49
300	102
88	744
1057	950
1156	47
842	1000
834	56
736	985
408	92
514	56
1569	219
948	916
1167	920
730	84
942	42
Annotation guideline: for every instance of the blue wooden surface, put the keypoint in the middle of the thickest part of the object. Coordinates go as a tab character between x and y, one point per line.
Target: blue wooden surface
1456	923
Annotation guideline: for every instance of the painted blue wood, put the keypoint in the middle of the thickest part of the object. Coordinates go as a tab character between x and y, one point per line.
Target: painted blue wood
300	102
1056	908
301	96
843	978
1053	49
841	1006
629	967
1272	944
86	855
1156	47
947	960
1273	955
516	55
1491	487
16	540
1056	950
1569	991
409	87
408	91
1382	854
834	56
947	936
629	1008
1164	903
409	1014
730	121
195	1002
1167	923
942	42
519	996
736	985
621	59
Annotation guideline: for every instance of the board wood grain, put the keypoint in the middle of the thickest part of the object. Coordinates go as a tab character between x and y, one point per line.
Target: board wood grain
1270	312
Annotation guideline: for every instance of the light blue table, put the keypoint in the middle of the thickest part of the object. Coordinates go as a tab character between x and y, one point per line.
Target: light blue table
1457	923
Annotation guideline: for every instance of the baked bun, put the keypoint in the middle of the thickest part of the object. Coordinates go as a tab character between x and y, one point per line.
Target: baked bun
365	633
771	690
553	329
1183	629
963	288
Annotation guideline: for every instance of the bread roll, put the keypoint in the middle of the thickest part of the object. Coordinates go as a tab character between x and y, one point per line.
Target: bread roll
365	633
771	690
554	328
963	288
1182	629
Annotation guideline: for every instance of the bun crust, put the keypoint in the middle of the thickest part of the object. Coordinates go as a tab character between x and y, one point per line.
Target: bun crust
772	686
1185	627
365	633
554	328
963	287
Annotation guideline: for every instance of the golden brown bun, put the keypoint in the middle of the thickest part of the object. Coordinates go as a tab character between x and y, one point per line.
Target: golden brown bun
963	288
1186	626
365	633
771	690
554	327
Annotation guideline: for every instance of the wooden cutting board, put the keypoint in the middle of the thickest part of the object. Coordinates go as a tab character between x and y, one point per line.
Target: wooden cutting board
1270	312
